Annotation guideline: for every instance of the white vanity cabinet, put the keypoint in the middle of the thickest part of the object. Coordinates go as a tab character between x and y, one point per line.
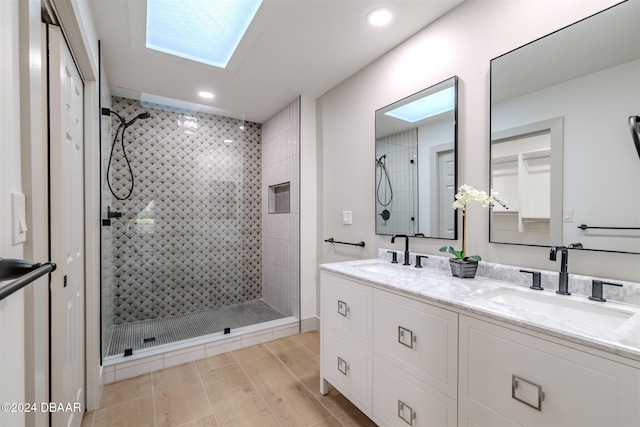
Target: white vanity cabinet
404	361
415	362
346	344
419	338
394	357
399	398
511	378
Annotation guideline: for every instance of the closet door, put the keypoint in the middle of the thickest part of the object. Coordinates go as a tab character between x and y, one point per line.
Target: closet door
67	233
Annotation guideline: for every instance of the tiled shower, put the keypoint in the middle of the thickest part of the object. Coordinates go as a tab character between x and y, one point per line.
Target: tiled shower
191	251
397	193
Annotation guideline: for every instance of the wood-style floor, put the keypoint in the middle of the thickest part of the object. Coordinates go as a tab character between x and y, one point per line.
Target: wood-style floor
273	384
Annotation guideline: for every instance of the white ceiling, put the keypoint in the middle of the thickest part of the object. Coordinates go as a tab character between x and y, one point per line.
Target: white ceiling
293	47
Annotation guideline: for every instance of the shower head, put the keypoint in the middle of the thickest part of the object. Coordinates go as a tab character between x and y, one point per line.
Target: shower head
143	116
384	156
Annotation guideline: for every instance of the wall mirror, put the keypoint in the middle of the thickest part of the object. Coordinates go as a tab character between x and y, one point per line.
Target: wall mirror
416	173
562	153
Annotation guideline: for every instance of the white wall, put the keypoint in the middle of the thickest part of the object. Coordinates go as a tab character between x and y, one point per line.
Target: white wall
309	238
12	328
461	43
34	175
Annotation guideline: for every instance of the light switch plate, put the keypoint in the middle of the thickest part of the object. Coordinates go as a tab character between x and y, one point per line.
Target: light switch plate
567	215
347	218
18	218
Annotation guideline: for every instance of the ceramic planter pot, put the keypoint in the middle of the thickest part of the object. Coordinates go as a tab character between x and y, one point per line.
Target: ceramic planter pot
465	269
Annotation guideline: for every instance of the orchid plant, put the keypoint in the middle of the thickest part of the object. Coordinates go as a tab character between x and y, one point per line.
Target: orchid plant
464	195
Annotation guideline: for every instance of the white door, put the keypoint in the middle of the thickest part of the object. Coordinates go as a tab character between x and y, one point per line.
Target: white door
446	194
67	236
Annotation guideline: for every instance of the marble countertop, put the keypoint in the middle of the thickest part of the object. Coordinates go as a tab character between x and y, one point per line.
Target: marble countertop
471	295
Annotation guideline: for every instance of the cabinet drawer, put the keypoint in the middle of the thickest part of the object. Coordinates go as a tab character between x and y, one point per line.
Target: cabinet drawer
347	305
347	368
402	400
467	418
419	338
531	381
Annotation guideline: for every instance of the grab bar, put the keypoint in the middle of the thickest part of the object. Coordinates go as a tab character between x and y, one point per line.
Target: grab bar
23	272
585	227
330	240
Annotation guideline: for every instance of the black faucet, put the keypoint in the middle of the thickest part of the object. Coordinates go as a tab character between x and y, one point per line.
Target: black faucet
406	247
563	284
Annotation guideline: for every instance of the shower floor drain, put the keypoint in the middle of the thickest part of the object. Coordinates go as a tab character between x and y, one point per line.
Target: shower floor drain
149	333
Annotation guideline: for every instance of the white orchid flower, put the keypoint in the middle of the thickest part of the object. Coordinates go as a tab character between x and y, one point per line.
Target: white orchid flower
464	195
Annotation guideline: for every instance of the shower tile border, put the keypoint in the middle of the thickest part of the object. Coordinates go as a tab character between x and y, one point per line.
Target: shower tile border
171	355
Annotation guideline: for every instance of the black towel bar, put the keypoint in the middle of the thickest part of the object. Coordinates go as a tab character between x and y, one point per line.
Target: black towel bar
585	227
330	240
23	273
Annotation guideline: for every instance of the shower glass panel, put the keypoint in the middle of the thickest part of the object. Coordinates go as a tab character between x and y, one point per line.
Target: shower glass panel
182	253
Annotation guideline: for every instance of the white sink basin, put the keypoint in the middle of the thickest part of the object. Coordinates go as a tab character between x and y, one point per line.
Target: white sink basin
388	269
561	308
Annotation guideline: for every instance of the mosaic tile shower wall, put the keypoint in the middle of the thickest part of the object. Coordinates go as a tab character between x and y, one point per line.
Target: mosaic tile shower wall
189	238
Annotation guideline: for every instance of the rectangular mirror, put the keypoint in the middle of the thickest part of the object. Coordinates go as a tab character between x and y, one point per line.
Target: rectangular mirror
562	153
416	173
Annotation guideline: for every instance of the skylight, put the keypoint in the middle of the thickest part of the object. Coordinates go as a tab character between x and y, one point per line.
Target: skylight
200	30
420	109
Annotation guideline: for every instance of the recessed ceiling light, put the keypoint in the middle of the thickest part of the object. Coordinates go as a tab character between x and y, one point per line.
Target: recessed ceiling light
200	30
205	94
379	17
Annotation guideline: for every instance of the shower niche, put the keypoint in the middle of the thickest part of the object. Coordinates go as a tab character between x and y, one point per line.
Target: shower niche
280	198
184	256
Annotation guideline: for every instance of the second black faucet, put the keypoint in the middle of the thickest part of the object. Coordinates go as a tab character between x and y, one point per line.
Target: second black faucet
563	280
406	247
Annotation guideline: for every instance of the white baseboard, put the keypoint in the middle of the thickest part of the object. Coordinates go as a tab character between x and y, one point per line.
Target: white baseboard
310	324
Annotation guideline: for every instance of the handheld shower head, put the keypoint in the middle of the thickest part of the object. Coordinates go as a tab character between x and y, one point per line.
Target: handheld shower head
122	127
634	125
143	116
